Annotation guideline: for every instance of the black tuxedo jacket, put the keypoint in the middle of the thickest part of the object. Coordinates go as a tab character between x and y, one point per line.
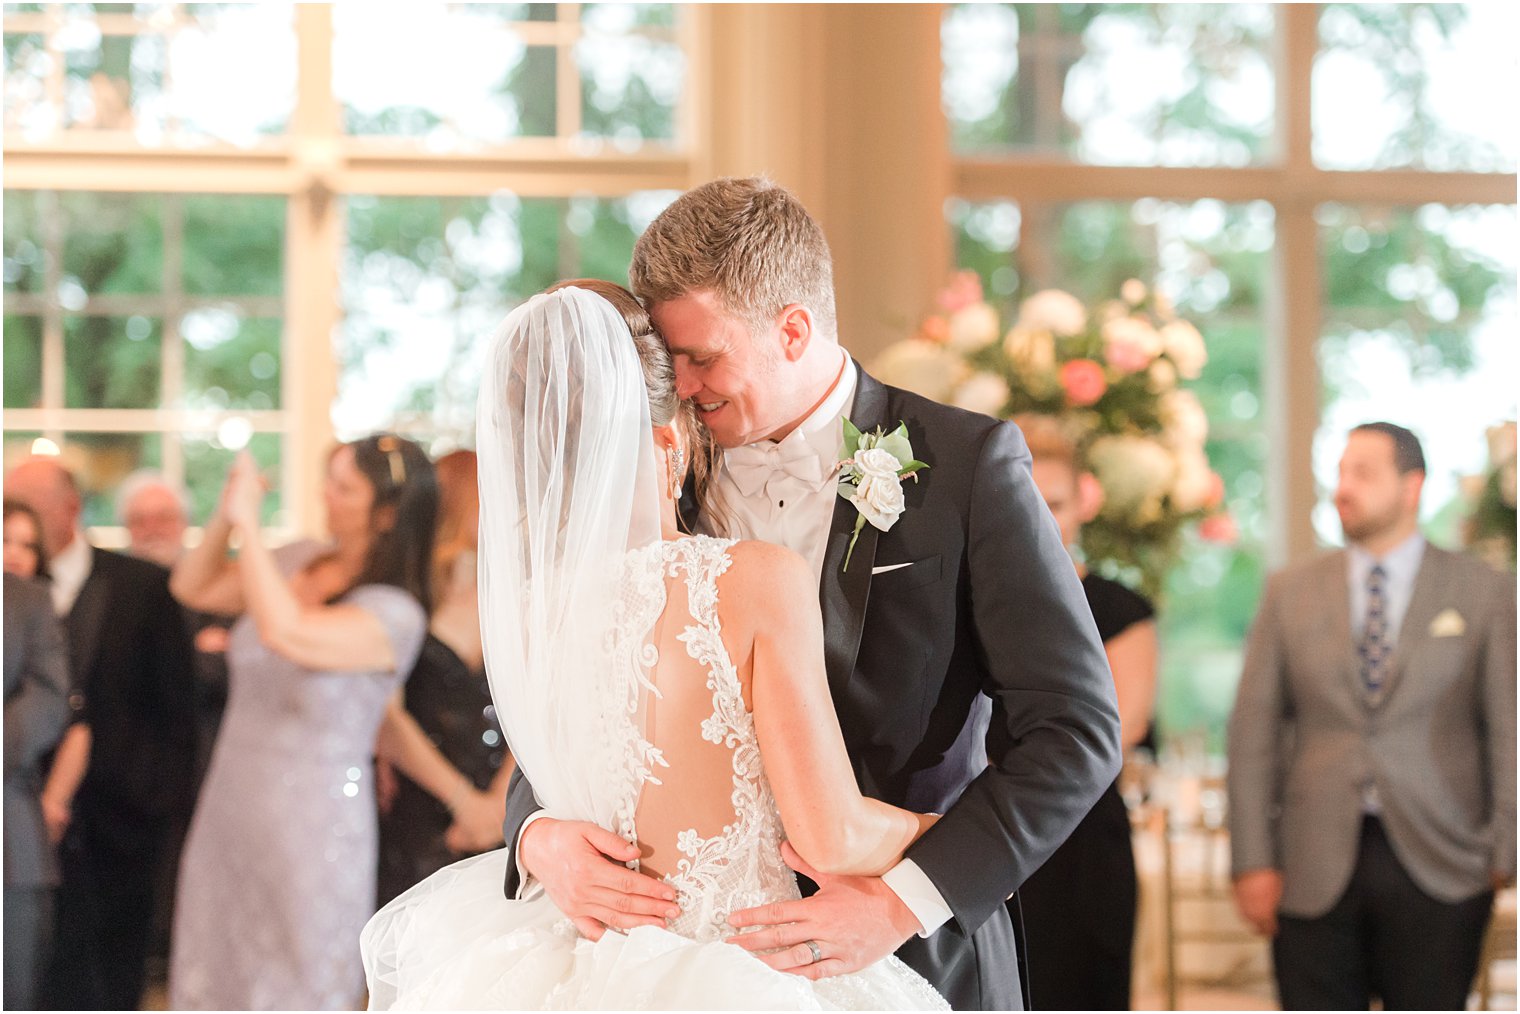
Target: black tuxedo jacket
132	657
989	604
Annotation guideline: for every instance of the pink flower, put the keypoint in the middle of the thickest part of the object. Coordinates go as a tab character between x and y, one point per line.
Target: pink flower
964	288
1083	382
1220	528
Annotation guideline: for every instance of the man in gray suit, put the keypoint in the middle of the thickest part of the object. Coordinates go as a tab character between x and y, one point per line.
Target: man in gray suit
36	712
1372	753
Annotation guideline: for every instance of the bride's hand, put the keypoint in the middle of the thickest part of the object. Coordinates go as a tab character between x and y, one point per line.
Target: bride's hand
581	868
477	823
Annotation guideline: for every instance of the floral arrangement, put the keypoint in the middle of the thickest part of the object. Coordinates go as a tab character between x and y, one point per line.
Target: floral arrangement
1490	529
1112	378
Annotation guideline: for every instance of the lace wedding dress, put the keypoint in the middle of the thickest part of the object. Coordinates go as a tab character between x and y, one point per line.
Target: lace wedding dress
691	789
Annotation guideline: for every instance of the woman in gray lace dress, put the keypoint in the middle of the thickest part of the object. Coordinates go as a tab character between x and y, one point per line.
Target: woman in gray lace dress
278	874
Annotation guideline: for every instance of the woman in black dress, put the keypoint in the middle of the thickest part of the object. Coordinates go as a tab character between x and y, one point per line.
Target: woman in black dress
1079	908
444	733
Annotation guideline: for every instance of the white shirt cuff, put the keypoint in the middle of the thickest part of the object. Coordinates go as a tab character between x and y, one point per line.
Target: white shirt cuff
526	885
915	890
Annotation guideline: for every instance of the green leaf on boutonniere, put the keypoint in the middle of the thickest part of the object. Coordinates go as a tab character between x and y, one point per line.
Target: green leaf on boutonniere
851	439
860	522
896	444
910	470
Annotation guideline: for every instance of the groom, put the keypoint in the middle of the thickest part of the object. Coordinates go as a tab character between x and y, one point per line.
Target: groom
970	592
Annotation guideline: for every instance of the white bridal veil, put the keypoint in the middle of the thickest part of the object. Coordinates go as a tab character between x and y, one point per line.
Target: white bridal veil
568	494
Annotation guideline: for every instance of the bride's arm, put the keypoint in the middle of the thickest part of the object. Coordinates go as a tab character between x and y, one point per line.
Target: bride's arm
830	824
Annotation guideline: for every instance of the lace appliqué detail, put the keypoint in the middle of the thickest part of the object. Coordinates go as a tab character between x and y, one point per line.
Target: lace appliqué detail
632	759
741	866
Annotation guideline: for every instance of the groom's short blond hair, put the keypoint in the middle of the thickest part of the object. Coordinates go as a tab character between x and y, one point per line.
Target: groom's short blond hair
748	240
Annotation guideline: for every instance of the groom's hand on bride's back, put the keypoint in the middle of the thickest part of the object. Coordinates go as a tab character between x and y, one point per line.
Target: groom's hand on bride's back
853	921
580	866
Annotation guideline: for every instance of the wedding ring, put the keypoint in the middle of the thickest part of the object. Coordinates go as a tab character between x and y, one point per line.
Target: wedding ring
812	945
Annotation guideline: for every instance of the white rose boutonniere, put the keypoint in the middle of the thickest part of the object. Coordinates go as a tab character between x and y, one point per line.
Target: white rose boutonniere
872	469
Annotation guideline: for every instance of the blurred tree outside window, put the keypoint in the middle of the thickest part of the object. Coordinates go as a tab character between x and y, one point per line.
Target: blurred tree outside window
426	280
164	313
157	73
150	327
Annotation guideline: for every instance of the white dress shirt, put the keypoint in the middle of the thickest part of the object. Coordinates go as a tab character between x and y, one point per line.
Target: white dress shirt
70	570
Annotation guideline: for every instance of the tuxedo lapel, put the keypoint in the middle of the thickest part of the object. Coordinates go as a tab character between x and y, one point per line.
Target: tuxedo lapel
86	618
842	593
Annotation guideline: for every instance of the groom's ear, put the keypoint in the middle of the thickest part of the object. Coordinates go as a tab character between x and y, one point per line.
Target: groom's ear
796	326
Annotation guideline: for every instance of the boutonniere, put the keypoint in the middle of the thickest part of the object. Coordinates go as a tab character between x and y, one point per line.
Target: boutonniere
872	469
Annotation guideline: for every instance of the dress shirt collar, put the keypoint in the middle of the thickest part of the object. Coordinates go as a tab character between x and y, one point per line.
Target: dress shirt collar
1401	563
70	569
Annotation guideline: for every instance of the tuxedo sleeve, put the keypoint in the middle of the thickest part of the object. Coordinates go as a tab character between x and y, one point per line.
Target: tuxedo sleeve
1053	743
522	804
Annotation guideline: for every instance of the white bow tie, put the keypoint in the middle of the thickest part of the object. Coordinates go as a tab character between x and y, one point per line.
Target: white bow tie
753	465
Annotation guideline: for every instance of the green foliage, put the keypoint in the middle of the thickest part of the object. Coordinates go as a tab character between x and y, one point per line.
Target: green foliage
113	243
23	361
112	362
234	246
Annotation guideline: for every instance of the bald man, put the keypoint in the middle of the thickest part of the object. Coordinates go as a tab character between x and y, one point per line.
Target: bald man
131	656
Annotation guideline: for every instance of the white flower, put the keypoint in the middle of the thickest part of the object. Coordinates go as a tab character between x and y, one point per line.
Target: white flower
876	463
1133	291
924	368
973	328
1055	311
1184	422
1163	376
879	500
1135	472
1184	345
1032	353
1196	486
986	393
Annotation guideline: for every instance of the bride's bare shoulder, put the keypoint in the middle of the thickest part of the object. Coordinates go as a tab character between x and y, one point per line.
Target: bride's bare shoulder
760	575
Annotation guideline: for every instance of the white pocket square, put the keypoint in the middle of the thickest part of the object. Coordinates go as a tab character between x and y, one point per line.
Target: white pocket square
890	566
1448	623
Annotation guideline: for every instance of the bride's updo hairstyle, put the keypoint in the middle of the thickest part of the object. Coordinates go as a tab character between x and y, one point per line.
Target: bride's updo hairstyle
665	407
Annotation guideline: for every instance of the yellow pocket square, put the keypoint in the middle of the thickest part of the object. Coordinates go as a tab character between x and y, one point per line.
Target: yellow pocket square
1448	623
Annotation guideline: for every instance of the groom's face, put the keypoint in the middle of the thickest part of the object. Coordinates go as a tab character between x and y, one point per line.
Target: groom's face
732	375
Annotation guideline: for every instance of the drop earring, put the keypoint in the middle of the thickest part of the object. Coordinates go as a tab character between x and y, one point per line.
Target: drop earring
677	472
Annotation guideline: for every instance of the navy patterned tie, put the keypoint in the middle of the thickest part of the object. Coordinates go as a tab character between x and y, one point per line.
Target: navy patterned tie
1375	649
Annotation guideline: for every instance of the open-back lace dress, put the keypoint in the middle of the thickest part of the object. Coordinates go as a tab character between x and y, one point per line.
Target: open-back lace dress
696	800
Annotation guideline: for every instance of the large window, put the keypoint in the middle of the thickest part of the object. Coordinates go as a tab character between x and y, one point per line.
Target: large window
143	330
1326	191
275	225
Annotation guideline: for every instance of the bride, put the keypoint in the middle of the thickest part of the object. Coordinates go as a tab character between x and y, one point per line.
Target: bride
668	687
